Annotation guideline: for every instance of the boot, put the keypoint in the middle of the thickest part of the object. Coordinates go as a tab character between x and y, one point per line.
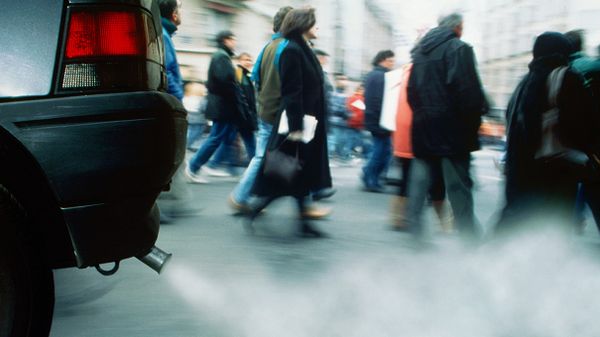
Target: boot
444	214
397	211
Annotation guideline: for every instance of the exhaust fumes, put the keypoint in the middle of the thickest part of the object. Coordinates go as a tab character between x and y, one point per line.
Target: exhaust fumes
539	284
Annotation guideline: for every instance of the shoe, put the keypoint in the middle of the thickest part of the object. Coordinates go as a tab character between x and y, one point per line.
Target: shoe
193	177
315	213
215	172
324	193
239	208
374	189
308	231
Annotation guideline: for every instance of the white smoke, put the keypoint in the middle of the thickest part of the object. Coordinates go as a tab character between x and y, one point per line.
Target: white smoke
538	285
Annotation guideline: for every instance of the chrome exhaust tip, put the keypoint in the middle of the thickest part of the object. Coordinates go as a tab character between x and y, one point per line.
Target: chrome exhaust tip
156	259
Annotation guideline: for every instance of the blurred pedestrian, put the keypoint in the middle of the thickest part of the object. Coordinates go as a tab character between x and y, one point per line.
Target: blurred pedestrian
338	120
302	94
589	68
446	96
541	191
403	153
229	152
265	75
175	202
226	106
357	138
194	101
381	152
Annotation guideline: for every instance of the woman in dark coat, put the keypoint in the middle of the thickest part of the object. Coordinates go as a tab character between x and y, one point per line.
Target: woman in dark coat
302	94
539	192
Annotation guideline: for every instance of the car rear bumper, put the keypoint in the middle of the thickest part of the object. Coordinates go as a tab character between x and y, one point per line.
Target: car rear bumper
106	159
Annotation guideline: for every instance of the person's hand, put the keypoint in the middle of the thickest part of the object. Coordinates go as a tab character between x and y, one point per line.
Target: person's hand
295	136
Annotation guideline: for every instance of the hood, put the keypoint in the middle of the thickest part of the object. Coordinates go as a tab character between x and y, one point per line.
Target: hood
433	39
168	26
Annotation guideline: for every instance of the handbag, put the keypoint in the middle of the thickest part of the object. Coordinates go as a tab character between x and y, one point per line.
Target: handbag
282	167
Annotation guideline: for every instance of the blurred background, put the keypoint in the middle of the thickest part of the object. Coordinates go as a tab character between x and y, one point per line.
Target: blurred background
352	31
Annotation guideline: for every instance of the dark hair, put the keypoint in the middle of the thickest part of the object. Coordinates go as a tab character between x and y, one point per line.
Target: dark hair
298	22
167	8
320	52
278	18
224	35
382	55
576	39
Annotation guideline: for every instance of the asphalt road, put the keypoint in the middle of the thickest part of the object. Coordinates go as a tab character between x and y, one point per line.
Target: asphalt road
365	280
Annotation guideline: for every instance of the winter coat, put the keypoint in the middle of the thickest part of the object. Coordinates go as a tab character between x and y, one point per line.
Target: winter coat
225	101
243	78
446	96
266	77
302	94
403	134
174	81
374	89
534	188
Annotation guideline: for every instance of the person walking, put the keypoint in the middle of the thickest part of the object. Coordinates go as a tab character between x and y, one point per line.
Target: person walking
194	101
226	106
357	136
266	77
539	191
589	68
302	94
446	96
381	152
403	153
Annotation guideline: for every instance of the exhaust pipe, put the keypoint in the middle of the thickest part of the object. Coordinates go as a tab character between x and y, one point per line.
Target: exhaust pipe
156	259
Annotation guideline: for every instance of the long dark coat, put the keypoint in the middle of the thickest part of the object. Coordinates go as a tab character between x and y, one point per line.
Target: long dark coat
225	101
302	94
535	190
446	96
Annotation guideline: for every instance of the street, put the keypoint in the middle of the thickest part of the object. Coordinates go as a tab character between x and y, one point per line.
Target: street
364	280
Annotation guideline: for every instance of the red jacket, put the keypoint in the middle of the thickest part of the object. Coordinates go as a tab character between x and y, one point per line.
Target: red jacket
402	135
357	116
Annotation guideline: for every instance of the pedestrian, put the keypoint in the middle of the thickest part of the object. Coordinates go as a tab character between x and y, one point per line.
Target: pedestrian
229	153
381	152
226	106
338	120
357	138
588	192
267	81
540	191
175	202
447	100
194	101
404	155
302	94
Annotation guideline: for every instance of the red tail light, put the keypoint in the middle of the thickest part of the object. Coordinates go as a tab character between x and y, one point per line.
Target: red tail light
111	50
94	34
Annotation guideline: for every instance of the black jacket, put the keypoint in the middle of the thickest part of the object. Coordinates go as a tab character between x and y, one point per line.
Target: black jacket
446	96
250	123
302	94
225	102
374	89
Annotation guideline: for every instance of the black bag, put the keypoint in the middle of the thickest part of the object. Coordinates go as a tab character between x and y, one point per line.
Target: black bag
282	167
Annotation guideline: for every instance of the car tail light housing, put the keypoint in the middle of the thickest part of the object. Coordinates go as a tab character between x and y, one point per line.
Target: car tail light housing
114	49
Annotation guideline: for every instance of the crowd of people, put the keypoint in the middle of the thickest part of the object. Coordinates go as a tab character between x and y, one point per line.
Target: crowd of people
292	120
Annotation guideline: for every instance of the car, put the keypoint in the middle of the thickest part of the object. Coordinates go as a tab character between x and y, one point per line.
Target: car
88	139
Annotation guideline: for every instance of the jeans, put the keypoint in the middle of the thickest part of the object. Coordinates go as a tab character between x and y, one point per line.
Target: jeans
241	193
457	178
219	133
378	161
194	134
226	152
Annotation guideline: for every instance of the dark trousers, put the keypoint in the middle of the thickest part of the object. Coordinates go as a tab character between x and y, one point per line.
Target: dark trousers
458	183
